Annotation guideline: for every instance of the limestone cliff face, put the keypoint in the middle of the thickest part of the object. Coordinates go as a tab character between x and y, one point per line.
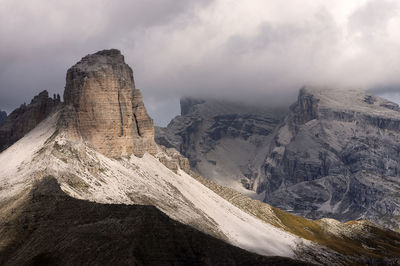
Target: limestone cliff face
336	155
109	110
145	127
25	118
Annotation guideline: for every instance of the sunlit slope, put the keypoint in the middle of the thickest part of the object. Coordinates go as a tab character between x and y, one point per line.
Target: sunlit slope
354	238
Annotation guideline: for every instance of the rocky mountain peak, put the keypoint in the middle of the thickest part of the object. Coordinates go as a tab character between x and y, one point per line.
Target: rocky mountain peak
109	110
306	107
334	154
42	96
25	118
102	59
110	53
341	159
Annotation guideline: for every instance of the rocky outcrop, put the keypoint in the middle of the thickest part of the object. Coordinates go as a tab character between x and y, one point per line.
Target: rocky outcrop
25	118
224	141
3	116
306	108
336	155
173	160
108	109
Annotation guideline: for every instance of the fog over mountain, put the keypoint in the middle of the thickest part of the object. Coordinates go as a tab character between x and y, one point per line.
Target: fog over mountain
256	51
392	94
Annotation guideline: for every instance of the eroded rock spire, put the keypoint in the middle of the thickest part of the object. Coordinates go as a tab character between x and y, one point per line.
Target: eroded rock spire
109	111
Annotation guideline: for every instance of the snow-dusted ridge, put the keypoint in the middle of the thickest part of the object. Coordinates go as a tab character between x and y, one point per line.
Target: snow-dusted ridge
17	165
86	174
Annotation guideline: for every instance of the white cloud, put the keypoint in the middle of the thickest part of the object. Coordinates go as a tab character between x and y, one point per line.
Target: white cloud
251	50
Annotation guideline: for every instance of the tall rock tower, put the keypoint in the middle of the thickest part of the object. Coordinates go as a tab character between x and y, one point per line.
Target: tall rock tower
109	111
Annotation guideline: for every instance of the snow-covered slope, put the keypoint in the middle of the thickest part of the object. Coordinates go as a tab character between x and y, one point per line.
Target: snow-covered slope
86	174
17	166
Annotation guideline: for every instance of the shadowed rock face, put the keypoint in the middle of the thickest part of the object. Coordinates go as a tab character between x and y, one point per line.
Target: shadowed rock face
3	116
337	155
25	118
51	228
224	141
145	127
110	113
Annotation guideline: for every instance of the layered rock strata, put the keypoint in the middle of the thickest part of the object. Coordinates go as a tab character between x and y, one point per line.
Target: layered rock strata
109	111
336	155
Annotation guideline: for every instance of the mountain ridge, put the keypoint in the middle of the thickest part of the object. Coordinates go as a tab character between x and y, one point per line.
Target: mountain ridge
70	144
23	119
339	158
336	132
62	146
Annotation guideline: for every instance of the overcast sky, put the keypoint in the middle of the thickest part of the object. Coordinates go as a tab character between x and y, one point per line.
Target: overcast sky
253	50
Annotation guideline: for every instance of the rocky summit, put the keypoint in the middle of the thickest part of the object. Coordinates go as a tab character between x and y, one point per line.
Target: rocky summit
109	110
25	118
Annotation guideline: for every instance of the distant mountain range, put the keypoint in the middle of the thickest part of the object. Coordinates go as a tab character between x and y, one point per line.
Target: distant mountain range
334	153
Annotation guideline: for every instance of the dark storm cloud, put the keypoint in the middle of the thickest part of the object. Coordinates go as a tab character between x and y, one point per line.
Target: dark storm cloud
258	51
39	40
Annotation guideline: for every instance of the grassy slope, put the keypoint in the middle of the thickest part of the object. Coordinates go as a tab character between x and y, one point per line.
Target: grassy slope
366	239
